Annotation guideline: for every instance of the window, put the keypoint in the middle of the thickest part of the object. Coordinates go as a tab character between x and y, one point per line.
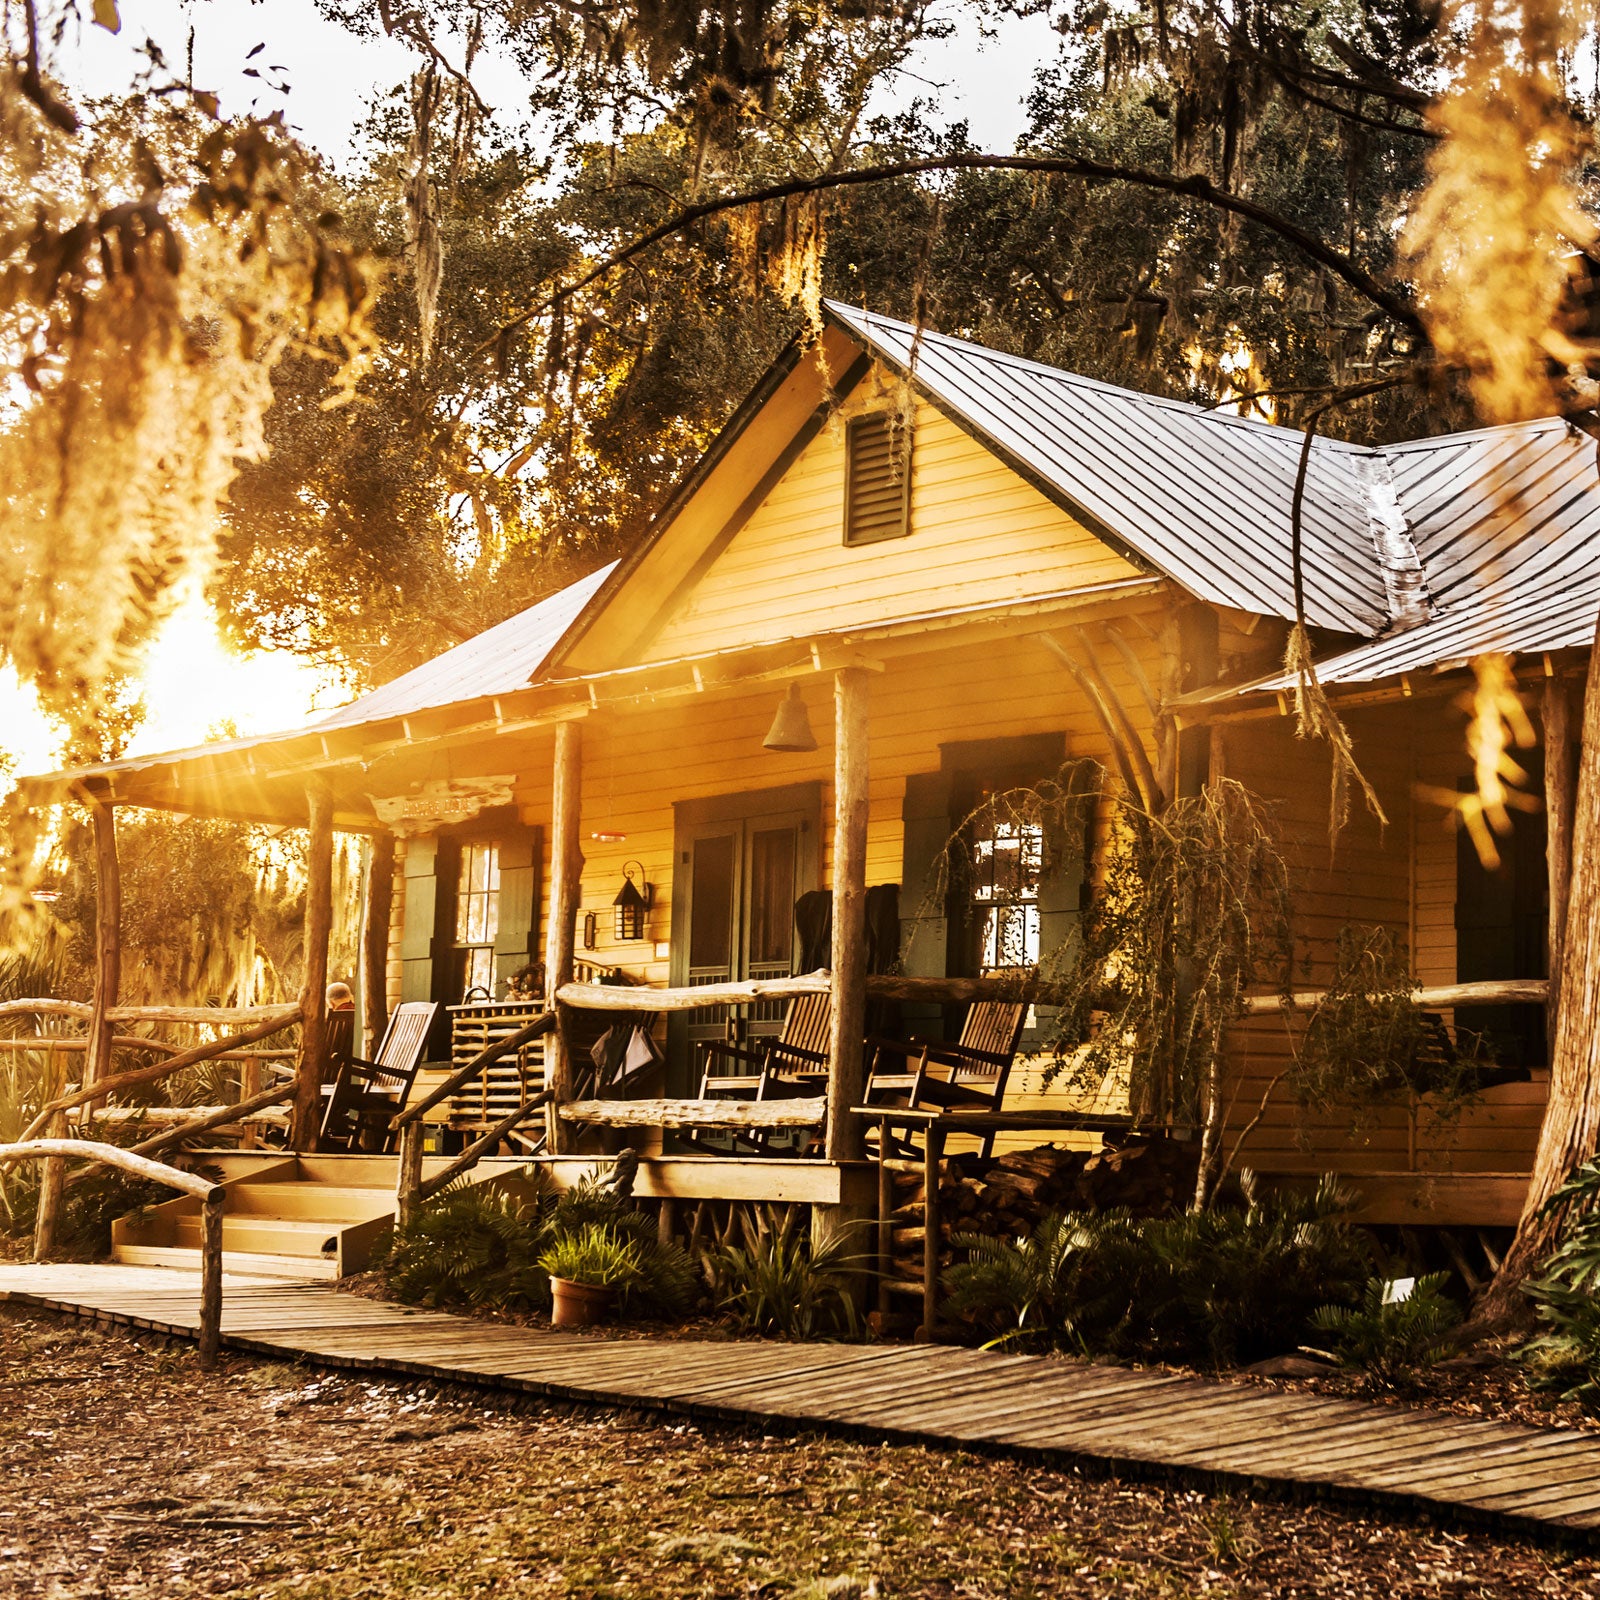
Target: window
1006	862
477	914
877	486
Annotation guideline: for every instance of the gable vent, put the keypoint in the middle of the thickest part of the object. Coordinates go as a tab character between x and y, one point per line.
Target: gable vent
876	486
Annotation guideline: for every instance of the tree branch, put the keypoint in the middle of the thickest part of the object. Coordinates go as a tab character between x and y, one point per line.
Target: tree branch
1193	187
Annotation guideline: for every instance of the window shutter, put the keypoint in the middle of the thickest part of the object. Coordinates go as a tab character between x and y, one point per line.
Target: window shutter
924	918
417	928
876	484
517	930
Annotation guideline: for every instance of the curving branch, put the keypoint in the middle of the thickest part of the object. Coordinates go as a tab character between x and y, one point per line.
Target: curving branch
1195	186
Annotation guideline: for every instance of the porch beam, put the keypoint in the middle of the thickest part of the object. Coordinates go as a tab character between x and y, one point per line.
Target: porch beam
566	873
847	1023
313	1064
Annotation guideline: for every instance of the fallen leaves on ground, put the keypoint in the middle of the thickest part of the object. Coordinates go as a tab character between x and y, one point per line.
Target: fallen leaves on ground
129	1474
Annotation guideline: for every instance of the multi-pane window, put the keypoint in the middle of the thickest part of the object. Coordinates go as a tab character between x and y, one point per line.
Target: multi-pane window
1006	861
478	914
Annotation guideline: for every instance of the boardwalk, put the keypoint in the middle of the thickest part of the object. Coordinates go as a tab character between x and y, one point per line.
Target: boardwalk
1136	1422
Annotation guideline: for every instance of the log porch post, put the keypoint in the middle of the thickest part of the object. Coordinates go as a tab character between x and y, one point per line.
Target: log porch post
847	1026
1559	798
313	1063
375	940
566	872
107	940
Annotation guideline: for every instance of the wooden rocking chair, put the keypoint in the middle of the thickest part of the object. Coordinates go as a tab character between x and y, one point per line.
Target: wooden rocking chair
788	1066
364	1095
969	1074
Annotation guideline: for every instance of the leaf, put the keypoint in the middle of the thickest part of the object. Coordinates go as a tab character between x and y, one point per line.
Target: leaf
105	16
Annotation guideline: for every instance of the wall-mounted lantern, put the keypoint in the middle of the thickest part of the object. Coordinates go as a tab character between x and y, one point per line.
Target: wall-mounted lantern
633	902
791	727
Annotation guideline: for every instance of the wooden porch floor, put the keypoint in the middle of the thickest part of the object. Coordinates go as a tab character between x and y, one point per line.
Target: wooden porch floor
1133	1422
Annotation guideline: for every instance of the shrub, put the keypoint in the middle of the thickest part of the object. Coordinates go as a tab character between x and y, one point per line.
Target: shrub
473	1245
1565	1356
469	1246
1232	1284
780	1283
1391	1337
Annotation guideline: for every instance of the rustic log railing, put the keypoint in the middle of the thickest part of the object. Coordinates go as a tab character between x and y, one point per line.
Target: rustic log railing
219	1016
410	1190
1440	997
210	1195
599	997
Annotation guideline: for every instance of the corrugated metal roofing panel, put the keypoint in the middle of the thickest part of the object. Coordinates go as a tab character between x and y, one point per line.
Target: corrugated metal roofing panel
1201	496
505	657
1524	624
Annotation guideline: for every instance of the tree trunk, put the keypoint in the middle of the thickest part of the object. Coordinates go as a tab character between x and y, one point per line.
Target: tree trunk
566	873
1559	784
313	1064
1570	1132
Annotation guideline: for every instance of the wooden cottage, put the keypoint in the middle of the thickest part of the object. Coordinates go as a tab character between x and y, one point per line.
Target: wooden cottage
1067	569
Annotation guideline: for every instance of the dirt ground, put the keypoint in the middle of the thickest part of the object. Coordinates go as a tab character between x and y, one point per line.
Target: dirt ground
126	1472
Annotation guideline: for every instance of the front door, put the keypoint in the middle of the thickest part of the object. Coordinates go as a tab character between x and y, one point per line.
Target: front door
741	863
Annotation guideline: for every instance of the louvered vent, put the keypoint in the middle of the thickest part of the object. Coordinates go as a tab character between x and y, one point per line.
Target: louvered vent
875	486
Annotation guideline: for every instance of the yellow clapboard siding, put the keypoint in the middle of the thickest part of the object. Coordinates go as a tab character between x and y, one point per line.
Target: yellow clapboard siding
978	534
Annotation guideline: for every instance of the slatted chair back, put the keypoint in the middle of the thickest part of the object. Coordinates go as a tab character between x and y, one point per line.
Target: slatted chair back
341	1035
806	1024
406	1036
993	1027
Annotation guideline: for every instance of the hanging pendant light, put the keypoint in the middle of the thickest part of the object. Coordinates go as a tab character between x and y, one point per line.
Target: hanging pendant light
791	727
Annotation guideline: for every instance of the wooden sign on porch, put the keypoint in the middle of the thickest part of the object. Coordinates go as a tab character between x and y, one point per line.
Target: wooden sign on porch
441	801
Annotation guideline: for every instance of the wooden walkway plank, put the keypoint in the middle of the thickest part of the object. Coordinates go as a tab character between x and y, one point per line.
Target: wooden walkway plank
1122	1417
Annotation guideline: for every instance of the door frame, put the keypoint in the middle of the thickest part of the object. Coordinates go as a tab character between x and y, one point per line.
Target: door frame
692	819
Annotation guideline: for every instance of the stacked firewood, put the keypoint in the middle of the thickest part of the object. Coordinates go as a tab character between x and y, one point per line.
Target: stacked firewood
1007	1195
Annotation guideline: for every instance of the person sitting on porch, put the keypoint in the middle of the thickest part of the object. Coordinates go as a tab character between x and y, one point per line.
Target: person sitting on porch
341	997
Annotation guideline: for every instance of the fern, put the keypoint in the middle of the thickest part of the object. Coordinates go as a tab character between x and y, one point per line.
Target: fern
1392	1340
1217	1287
1565	1357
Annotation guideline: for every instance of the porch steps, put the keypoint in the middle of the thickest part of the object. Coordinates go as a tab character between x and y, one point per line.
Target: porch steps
309	1217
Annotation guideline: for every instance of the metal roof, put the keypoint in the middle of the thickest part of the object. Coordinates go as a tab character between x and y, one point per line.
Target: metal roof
501	659
504	658
1438	549
1199	495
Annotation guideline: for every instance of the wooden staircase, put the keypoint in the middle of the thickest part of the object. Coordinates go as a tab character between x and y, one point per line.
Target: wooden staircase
314	1216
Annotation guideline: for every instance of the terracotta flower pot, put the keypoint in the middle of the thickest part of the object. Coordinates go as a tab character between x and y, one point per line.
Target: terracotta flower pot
579	1305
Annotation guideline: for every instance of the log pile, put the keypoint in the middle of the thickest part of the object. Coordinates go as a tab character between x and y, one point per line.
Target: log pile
1007	1195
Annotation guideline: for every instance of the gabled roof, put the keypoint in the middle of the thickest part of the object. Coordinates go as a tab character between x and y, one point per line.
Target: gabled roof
1201	496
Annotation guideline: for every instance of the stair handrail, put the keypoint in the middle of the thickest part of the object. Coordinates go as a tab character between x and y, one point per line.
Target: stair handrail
409	1197
210	1195
209	1015
464	1075
409	1189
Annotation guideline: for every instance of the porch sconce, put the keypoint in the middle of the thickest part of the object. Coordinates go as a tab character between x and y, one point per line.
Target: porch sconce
791	727
591	930
632	902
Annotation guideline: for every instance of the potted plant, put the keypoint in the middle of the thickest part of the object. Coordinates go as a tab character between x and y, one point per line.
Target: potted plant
588	1270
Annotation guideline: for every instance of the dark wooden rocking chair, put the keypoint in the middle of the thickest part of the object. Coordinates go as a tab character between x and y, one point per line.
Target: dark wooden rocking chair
364	1095
791	1065
969	1074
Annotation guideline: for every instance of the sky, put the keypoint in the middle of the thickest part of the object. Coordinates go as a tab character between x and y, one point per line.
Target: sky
325	80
